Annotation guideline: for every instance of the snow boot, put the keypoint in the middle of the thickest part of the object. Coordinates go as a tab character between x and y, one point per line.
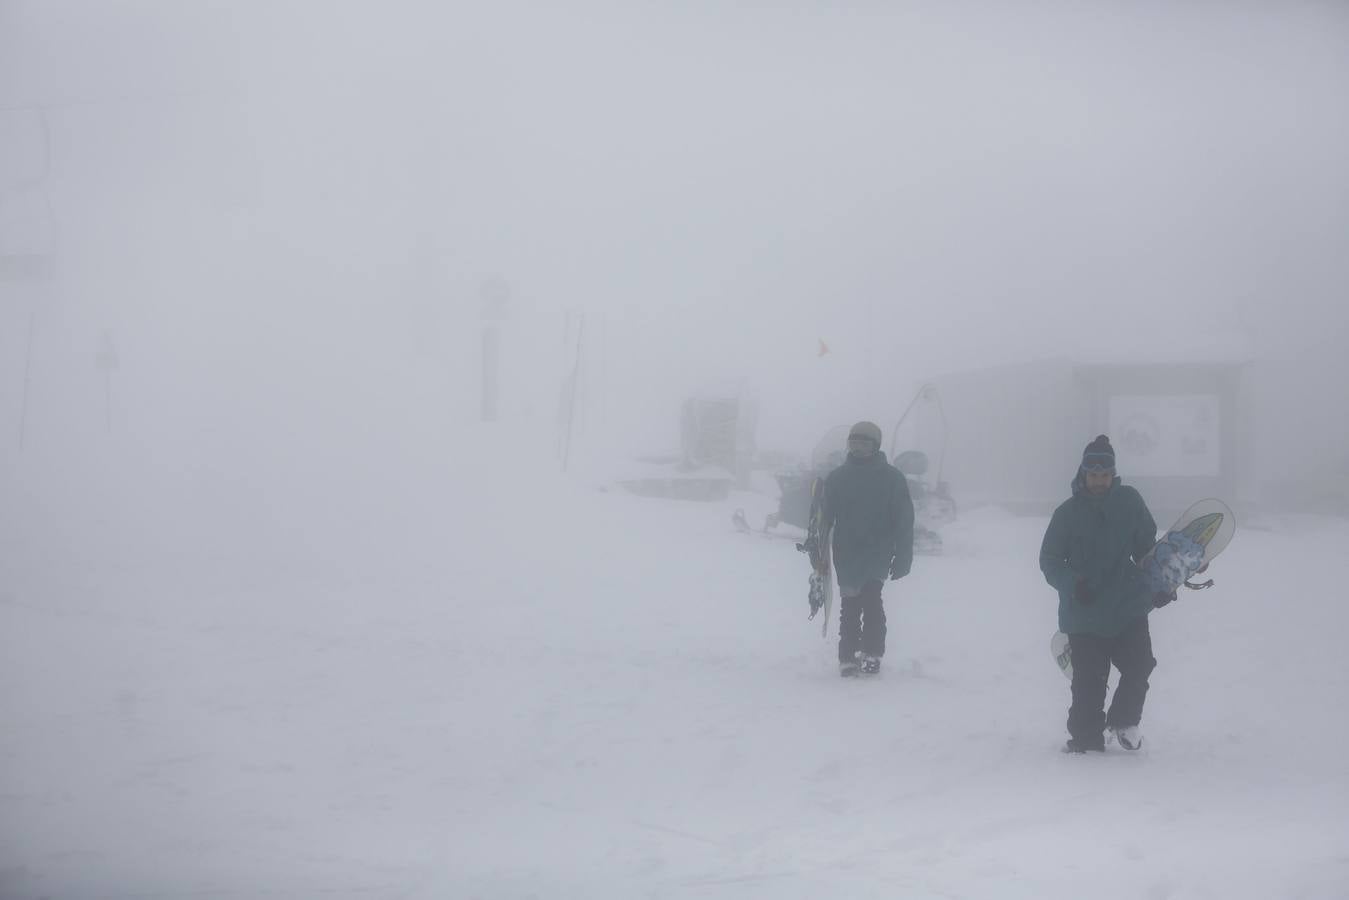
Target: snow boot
849	668
870	665
1129	737
1076	746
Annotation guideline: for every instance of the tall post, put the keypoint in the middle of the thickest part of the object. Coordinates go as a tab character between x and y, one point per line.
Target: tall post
27	369
571	402
491	356
495	294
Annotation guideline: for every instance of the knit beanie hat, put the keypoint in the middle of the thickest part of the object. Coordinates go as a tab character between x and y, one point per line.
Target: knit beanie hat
1099	456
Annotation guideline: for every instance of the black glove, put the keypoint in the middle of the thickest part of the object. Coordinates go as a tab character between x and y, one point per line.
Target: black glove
1161	598
896	572
1082	593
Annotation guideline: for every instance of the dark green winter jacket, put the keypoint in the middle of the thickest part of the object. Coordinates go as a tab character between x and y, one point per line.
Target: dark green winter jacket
1098	540
867	503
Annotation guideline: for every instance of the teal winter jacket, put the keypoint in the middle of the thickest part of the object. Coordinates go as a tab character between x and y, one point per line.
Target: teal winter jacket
1097	541
867	503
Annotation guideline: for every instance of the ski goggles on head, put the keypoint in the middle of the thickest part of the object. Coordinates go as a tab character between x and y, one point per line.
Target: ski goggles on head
1098	467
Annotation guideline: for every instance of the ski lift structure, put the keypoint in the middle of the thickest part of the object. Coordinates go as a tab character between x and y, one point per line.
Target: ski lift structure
933	505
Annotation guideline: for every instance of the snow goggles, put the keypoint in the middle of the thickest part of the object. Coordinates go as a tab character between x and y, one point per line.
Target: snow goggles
1098	468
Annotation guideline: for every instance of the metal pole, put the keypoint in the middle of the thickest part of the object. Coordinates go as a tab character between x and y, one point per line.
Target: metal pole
894	432
490	362
571	404
27	369
604	369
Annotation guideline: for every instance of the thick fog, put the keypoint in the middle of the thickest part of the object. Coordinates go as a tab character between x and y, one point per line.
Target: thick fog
363	288
285	214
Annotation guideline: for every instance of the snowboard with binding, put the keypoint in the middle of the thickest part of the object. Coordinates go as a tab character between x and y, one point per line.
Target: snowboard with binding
816	545
1200	534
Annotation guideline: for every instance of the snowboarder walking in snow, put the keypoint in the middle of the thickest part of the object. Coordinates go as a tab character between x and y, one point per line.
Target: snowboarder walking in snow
867	504
1089	555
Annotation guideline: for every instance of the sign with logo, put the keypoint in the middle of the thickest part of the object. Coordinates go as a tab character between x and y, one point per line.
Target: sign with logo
1166	435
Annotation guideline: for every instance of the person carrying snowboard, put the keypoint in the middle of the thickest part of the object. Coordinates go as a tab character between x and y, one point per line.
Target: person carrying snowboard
1089	555
867	505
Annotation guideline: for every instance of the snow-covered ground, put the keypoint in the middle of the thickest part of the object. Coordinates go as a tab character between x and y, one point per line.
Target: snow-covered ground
517	685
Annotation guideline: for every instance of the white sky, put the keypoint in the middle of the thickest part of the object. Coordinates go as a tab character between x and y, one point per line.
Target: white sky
925	188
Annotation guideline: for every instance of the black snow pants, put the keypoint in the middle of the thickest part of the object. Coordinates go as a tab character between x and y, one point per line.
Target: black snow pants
1131	653
861	623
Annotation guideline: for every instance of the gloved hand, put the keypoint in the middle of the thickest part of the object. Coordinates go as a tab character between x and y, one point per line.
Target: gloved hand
1081	593
896	572
818	588
1161	598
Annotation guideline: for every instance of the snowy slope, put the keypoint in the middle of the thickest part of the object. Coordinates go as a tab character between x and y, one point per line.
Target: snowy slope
533	688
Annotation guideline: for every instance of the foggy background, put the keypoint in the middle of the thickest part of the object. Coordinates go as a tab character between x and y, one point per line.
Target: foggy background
284	214
262	553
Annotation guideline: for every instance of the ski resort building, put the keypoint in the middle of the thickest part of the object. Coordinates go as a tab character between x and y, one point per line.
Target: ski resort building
1222	426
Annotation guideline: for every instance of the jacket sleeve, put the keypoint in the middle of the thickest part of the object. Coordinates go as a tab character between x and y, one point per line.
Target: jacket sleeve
901	510
1145	531
1054	555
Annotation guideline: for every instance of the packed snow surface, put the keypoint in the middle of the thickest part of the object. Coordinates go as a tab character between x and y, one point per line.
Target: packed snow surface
499	682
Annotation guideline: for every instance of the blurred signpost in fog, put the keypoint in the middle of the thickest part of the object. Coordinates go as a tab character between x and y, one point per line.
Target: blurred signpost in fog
495	294
26	223
567	400
27	372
